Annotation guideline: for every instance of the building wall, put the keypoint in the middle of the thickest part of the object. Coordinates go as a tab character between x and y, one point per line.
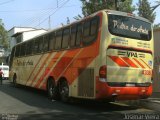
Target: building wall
31	34
15	30
156	71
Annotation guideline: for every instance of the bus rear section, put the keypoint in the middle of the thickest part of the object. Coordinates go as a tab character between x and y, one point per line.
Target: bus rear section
129	59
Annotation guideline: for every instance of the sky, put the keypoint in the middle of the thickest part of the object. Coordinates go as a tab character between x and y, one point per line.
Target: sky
44	13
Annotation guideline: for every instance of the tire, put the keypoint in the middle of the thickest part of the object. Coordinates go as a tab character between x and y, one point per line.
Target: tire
52	90
64	91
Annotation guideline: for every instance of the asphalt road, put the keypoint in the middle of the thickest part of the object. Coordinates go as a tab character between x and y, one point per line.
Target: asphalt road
23	103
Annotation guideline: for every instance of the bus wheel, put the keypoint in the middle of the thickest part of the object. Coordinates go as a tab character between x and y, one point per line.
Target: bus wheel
64	91
15	80
52	89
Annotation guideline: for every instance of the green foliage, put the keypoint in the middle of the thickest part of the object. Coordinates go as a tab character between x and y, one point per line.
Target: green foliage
126	6
156	26
91	6
3	36
145	10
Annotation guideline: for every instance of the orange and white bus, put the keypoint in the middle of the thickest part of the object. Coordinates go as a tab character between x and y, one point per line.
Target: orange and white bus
105	56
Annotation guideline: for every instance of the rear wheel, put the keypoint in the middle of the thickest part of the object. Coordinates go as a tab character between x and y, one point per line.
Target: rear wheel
64	91
52	89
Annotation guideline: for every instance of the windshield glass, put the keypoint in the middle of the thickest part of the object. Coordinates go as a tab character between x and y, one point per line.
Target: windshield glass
129	27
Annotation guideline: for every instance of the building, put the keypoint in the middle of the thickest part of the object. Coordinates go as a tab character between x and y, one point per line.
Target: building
20	34
156	71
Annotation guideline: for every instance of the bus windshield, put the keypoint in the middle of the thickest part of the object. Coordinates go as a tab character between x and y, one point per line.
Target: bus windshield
129	27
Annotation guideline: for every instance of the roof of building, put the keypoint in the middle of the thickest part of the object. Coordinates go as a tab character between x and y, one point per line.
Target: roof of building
26	27
18	33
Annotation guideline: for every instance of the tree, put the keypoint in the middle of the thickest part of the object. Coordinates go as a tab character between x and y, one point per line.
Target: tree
3	36
146	11
91	6
126	6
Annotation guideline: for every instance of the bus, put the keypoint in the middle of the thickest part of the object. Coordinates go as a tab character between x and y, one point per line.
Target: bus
105	56
5	70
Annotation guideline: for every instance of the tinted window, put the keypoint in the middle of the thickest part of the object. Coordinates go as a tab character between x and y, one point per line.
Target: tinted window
79	34
40	45
129	27
35	49
23	49
52	41
17	50
58	40
73	36
90	31
86	28
94	26
66	36
29	47
46	43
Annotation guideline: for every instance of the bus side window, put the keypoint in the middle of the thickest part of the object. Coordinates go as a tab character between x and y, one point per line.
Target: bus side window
40	44
90	31
58	40
73	36
46	43
23	48
17	51
66	37
29	48
86	29
79	34
35	47
94	26
51	41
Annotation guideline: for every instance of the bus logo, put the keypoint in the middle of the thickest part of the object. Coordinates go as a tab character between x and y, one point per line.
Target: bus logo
131	54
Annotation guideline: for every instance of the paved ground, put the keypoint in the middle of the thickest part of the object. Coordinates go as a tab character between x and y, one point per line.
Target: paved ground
29	104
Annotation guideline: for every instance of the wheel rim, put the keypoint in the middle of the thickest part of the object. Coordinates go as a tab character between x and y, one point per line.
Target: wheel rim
64	91
50	88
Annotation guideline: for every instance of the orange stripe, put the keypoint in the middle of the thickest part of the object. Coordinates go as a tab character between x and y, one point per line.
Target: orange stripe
41	67
34	69
138	62
146	64
119	61
52	62
130	62
89	52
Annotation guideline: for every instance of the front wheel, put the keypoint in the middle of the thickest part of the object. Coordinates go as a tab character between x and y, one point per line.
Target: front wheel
64	91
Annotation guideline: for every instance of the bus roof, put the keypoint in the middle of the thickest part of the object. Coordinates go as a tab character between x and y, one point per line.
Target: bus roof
92	15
